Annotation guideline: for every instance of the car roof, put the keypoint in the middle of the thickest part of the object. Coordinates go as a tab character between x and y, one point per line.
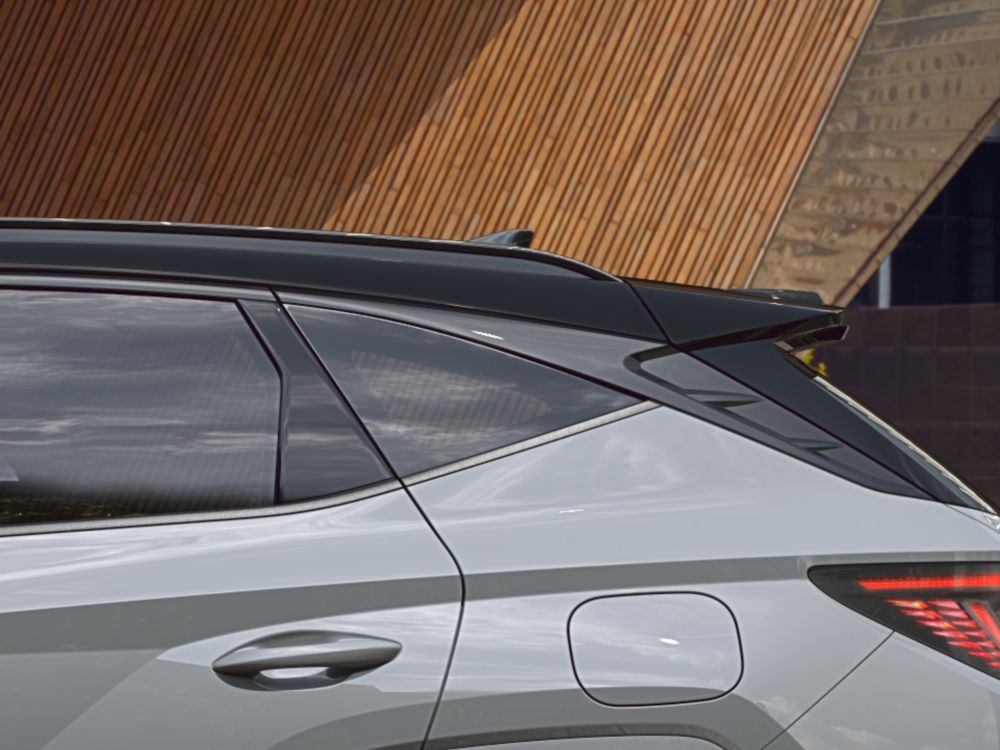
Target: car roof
468	274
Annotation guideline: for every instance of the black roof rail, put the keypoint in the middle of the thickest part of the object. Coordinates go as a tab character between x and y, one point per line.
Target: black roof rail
508	238
481	246
472	275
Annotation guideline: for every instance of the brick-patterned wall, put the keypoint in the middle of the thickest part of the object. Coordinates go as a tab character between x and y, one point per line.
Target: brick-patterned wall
934	372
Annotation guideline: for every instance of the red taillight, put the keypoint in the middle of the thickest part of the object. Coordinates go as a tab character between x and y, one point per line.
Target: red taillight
951	607
925	583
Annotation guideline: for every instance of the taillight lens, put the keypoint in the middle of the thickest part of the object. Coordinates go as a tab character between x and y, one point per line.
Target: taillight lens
951	607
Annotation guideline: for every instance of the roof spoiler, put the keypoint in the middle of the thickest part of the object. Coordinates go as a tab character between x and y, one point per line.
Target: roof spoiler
697	317
788	296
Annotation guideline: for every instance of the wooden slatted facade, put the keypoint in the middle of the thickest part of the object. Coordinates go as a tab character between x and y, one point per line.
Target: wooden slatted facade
658	139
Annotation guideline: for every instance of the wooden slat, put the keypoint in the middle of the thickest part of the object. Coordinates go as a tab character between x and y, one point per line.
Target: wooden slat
652	138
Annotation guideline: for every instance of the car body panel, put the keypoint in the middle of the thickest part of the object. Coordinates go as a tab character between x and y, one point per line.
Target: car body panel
661	502
107	637
903	696
512	676
991	520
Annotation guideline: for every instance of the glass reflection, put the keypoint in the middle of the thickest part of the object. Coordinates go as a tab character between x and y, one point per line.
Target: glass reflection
430	399
114	404
324	450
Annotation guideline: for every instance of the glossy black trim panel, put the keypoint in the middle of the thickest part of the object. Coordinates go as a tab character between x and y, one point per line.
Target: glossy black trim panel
430	399
744	410
491	279
341	498
134	286
766	368
323	448
699	317
595	355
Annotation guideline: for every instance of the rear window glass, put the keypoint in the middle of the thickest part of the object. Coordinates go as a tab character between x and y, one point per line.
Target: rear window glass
430	399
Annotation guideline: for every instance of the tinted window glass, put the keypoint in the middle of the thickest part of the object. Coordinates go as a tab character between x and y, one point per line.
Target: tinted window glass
430	399
776	374
323	448
694	379
120	405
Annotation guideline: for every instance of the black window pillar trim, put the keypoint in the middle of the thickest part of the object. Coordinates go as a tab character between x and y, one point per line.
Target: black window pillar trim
170	519
629	377
343	396
308	365
283	388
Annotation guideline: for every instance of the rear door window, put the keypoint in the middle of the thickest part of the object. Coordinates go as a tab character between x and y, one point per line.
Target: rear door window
430	399
123	405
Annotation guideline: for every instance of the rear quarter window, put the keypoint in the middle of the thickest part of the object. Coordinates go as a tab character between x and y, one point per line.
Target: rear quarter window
430	399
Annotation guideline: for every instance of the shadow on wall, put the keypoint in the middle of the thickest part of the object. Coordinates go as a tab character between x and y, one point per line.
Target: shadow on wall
934	372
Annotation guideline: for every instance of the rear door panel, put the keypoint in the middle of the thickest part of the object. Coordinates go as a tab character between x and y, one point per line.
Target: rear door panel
107	636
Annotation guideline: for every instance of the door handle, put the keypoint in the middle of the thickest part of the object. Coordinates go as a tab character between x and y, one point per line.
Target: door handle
340	653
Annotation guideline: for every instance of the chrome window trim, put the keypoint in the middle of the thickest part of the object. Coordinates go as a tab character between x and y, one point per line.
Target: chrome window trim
523	445
193	290
166	519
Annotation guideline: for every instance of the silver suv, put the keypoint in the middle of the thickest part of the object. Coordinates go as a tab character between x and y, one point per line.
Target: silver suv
287	489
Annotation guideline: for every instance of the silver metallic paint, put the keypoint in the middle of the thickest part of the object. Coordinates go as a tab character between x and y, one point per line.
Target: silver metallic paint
171	289
657	648
107	636
655	503
991	520
905	696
